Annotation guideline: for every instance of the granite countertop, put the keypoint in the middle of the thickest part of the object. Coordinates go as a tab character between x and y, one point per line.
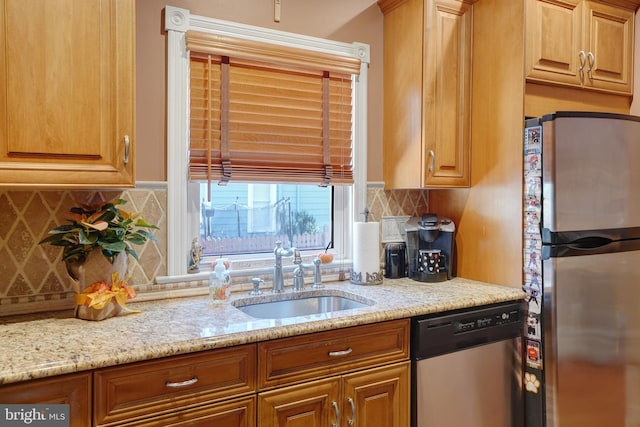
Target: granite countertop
48	345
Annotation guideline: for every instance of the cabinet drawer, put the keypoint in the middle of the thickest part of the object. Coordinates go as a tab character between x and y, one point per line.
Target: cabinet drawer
308	356
164	385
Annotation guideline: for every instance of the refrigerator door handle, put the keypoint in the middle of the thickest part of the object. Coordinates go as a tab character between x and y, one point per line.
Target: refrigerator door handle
567	250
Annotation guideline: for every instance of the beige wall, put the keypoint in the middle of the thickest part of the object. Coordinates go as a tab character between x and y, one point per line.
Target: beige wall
341	20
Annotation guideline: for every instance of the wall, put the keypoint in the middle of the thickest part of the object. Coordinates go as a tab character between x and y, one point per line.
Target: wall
33	277
340	20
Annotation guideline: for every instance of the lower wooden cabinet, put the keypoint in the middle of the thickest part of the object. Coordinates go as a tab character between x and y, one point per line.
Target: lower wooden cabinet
175	389
73	390
357	376
378	397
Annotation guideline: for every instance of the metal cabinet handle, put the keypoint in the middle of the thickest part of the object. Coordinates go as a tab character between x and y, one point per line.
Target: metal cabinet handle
181	383
340	353
583	60
352	420
335	408
591	61
432	155
126	149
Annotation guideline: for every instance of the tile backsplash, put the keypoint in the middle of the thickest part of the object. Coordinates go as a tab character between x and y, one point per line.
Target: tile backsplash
32	277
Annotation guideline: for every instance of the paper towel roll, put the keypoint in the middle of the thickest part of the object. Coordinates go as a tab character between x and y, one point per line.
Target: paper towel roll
366	248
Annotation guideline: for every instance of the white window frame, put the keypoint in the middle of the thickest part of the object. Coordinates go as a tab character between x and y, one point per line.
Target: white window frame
183	207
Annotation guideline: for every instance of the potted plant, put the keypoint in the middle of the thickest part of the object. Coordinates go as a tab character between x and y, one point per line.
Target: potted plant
96	242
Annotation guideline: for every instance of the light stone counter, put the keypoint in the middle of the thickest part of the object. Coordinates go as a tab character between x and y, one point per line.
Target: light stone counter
44	346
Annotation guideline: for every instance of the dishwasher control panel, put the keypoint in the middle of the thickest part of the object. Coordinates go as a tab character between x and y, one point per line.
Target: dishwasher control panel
433	335
481	320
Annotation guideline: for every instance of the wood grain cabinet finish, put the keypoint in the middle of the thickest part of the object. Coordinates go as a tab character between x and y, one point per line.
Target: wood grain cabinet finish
580	43
378	397
176	388
239	412
73	390
304	357
67	90
356	376
427	84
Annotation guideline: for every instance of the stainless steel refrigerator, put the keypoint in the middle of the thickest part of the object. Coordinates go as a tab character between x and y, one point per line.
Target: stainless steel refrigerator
582	270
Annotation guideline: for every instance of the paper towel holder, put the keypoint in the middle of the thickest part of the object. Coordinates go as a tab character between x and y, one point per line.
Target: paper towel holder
374	278
365	277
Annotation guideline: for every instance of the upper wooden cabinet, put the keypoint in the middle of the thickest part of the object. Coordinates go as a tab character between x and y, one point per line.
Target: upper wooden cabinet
67	91
427	82
580	43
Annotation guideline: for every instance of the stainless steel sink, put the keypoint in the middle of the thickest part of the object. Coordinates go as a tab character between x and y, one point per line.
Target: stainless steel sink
299	305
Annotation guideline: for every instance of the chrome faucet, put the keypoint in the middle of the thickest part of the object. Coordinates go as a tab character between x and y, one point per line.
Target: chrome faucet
278	277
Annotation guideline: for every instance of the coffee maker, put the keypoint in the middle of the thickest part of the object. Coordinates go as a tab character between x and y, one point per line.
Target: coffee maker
430	248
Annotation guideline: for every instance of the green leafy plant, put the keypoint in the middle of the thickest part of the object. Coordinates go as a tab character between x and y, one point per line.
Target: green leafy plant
105	227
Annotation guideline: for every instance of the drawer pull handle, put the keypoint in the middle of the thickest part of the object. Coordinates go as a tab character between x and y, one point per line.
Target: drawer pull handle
337	411
340	353
182	383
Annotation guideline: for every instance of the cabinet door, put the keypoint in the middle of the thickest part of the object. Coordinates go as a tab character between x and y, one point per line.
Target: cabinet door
311	404
609	38
553	41
67	91
73	390
378	397
446	96
402	127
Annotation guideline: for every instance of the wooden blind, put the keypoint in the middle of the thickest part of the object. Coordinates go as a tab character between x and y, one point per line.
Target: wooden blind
265	113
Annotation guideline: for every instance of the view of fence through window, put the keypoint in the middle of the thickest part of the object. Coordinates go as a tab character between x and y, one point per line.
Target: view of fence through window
250	218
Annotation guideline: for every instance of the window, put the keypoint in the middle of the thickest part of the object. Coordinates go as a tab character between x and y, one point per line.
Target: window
250	218
186	208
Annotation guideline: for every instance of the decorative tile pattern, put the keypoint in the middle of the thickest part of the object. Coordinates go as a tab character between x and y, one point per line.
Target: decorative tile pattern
33	273
33	278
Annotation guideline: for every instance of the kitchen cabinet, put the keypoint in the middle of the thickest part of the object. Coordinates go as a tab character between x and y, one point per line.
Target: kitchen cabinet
356	376
580	43
488	215
374	397
362	372
194	389
67	85
427	84
73	390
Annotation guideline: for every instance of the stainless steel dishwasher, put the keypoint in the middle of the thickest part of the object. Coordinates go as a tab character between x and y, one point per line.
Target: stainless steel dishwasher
466	367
